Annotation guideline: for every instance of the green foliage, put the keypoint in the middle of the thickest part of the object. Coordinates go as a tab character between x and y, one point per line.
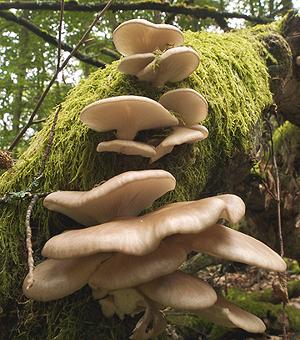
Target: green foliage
229	77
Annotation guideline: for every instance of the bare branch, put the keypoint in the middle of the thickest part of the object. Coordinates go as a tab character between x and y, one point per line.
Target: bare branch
196	12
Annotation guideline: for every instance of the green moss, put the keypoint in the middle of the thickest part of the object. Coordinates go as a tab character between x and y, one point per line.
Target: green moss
232	76
286	132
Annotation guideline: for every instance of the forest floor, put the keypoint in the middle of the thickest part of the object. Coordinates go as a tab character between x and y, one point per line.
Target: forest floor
254	280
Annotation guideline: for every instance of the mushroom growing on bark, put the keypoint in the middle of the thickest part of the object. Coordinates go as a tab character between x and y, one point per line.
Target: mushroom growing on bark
127	147
225	313
153	52
127	115
190	108
141	36
171	65
178	136
142	235
106	202
131	262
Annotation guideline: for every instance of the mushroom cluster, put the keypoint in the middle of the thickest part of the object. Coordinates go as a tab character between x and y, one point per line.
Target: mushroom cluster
154	52
131	262
181	109
129	259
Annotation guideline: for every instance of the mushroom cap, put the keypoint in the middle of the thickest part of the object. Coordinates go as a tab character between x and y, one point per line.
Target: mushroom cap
173	65
233	245
55	279
142	235
179	135
180	291
227	314
127	147
133	64
127	115
141	36
124	195
190	104
122	271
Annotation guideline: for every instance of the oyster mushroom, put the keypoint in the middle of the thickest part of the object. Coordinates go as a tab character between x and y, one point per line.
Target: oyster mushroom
142	235
178	136
227	314
172	65
122	271
189	104
133	64
180	291
55	279
127	147
127	115
141	36
106	202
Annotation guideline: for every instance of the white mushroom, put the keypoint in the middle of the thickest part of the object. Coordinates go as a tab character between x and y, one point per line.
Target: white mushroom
227	314
133	64
172	65
142	235
189	104
141	36
124	195
233	245
127	147
55	279
180	291
179	135
127	115
123	271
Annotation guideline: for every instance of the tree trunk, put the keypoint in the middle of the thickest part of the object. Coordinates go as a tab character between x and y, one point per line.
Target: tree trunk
233	76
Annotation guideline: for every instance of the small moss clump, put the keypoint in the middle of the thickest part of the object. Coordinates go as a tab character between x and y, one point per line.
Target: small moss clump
233	78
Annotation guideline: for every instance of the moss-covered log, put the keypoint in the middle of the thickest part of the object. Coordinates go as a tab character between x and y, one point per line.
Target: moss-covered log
234	78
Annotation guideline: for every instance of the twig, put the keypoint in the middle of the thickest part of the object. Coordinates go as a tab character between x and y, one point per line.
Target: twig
21	195
281	276
30	259
64	64
38	121
61	18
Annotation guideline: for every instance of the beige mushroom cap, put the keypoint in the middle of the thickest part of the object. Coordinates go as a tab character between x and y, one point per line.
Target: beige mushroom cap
173	65
227	314
122	271
127	147
190	104
55	279
180	291
179	135
141	36
133	64
124	195
233	245
142	235
127	115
